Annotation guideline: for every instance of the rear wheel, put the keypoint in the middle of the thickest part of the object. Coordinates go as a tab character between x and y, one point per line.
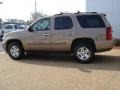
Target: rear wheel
15	50
83	53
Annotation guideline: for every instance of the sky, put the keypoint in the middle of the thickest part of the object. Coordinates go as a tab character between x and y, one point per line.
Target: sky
21	9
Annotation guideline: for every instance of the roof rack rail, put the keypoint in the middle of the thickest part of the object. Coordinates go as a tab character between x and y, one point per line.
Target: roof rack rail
77	12
59	13
93	12
85	12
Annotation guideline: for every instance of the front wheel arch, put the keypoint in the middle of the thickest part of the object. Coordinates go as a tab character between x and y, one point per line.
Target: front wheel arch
11	41
15	50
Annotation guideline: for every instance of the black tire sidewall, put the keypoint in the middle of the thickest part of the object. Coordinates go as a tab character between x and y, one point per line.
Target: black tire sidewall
20	49
90	59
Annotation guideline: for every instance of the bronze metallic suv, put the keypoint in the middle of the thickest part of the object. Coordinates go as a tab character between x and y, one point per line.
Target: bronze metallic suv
82	34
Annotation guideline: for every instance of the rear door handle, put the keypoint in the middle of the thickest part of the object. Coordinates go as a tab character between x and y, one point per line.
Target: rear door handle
45	34
70	33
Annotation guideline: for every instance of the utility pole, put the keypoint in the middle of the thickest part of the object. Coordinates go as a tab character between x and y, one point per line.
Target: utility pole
1	2
1	19
35	7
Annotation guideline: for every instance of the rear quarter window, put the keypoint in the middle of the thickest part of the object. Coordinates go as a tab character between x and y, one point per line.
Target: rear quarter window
91	21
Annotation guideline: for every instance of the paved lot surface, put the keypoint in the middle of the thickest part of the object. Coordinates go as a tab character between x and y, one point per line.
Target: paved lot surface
60	72
1	48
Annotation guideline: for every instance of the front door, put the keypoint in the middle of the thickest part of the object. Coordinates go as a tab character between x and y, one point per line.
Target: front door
41	37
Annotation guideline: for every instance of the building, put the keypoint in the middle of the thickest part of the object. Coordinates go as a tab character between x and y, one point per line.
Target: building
111	8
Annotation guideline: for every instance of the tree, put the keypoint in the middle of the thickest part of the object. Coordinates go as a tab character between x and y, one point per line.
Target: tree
28	22
34	17
0	20
15	21
37	15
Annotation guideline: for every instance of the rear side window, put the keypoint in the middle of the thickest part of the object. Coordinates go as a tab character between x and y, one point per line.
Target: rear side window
63	22
91	21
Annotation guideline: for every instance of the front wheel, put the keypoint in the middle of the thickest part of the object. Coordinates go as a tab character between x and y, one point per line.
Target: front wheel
15	50
83	53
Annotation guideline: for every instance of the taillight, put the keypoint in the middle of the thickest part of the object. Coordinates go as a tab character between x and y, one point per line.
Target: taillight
108	33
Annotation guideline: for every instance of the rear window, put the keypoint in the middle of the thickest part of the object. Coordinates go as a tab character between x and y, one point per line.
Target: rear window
91	21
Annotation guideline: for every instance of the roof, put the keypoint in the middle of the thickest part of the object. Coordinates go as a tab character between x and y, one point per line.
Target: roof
84	13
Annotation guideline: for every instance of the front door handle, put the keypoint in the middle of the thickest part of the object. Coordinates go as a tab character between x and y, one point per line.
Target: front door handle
45	34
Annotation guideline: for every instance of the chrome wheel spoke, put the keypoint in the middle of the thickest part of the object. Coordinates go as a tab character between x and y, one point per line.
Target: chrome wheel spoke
83	53
15	51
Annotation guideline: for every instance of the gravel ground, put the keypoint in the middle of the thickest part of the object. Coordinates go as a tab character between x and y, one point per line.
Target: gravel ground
60	72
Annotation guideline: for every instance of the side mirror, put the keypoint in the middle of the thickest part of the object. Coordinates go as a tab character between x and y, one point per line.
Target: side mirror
30	29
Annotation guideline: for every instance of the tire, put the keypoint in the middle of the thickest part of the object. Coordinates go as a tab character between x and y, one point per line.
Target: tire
15	50
83	53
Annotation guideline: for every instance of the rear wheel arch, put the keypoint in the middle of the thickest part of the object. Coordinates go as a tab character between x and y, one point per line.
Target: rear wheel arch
85	41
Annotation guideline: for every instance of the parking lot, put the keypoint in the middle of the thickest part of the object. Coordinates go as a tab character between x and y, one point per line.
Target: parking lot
60	72
1	49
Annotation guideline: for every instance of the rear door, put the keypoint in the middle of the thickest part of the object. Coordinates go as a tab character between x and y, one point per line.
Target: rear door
63	33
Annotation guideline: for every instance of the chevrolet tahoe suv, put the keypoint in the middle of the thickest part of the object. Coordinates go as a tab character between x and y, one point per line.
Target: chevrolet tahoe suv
82	34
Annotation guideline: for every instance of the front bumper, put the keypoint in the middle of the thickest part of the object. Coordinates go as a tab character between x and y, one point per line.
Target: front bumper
4	46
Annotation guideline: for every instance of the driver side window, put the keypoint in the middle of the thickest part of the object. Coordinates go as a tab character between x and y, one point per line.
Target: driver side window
42	25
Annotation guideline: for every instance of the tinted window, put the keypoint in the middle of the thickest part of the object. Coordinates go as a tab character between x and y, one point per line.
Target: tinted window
15	26
43	24
64	22
8	27
91	21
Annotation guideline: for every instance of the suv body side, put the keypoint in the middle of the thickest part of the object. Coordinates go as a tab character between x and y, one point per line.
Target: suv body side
61	40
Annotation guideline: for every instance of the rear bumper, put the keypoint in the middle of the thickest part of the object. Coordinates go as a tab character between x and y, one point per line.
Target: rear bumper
102	46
